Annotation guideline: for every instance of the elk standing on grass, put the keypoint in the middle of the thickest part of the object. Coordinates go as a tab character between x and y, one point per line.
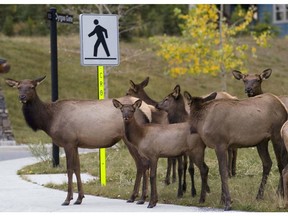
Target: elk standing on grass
158	116
174	105
79	123
253	87
238	123
158	140
284	134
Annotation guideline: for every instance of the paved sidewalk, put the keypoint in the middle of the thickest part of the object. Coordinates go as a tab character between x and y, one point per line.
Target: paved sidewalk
18	195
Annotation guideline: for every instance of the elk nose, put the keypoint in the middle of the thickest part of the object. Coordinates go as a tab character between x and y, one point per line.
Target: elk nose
22	98
248	90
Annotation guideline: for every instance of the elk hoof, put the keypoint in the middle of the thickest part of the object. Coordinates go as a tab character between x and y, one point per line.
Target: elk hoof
151	205
207	189
202	200
184	187
167	182
66	203
79	200
227	208
130	200
140	202
180	194
193	192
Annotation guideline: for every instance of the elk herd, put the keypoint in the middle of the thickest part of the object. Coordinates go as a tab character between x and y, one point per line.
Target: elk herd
178	128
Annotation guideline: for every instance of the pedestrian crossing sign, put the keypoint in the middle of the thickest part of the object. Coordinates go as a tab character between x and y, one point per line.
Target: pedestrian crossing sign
99	39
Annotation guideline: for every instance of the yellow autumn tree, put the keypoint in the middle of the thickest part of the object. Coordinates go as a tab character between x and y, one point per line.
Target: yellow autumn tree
208	44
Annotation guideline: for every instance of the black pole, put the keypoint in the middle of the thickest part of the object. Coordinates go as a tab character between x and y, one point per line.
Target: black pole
54	73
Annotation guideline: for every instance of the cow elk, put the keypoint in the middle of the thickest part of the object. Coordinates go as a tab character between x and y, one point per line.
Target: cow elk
217	123
79	123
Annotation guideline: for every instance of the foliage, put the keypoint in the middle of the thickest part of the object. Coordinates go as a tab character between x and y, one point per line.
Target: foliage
207	45
41	152
135	20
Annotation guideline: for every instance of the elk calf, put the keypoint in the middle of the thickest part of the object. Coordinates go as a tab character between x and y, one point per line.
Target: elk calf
153	141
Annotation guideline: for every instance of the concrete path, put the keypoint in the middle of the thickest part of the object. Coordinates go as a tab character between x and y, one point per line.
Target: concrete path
18	195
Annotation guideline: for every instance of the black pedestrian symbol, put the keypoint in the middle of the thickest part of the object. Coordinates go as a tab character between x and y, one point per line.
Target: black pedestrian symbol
100	32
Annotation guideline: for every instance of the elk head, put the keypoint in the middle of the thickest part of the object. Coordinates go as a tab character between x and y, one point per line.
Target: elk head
252	82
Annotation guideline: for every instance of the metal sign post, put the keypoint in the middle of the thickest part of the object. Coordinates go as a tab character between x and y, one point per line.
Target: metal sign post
54	18
99	46
102	152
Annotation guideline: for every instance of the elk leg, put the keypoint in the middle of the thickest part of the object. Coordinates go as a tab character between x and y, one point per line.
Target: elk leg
232	155
264	155
203	168
192	172
145	183
281	157
78	177
185	163
221	154
180	173
285	184
173	170
168	172
153	174
69	161
139	172
234	158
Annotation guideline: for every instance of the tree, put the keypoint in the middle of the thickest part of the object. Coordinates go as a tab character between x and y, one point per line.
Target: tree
208	43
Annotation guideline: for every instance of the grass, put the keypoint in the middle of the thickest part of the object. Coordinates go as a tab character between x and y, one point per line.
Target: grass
30	58
121	176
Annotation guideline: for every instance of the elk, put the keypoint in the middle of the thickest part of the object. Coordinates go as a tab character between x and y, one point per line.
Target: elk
253	87
159	116
284	135
79	123
174	105
153	141
238	123
253	83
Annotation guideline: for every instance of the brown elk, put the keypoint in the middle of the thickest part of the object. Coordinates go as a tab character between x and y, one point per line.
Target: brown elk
284	134
253	87
159	116
159	140
79	123
174	105
238	123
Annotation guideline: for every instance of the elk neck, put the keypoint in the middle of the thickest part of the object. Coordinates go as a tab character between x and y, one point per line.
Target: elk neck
38	114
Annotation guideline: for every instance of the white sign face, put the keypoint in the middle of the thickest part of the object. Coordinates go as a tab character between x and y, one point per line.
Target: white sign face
99	39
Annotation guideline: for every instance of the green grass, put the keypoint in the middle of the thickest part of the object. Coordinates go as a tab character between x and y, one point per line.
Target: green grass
30	58
121	175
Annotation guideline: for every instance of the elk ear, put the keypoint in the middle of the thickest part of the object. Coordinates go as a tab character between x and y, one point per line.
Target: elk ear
137	104
188	96
133	86
266	74
145	82
212	96
117	104
39	80
12	83
237	74
176	91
